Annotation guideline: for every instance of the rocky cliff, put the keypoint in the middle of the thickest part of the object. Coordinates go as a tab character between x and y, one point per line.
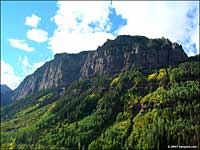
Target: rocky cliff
112	57
60	71
129	51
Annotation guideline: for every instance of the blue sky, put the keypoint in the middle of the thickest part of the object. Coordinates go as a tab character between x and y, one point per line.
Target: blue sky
32	32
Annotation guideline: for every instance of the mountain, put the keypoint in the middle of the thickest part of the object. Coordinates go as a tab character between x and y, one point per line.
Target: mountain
137	108
5	88
6	94
60	71
123	53
126	52
131	93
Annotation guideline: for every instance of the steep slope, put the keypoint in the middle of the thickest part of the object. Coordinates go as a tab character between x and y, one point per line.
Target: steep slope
129	51
60	71
114	56
5	88
6	94
132	110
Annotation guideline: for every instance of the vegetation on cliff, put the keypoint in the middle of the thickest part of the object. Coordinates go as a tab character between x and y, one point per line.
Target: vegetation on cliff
135	109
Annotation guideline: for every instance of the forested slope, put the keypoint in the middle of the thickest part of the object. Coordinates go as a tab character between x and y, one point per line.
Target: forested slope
135	109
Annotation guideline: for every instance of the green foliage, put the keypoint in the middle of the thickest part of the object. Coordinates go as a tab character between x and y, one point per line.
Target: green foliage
115	81
133	110
185	71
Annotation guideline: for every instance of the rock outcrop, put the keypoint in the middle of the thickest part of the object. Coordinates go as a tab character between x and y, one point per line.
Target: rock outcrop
129	51
114	56
60	71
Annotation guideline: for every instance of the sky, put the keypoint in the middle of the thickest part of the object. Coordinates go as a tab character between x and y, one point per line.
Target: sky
33	32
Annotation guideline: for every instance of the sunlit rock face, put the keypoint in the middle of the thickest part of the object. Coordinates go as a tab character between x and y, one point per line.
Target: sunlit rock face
112	57
129	51
59	72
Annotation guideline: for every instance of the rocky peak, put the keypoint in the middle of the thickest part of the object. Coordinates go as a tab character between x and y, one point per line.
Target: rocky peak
4	88
112	57
129	51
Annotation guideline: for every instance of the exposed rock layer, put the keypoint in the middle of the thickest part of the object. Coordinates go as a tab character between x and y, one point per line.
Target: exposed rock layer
127	51
60	71
114	56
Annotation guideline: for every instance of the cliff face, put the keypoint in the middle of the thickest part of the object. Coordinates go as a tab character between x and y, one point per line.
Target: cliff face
127	51
114	56
62	70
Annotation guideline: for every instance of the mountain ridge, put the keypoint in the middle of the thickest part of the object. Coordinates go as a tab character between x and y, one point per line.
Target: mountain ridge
113	56
4	88
132	51
6	93
51	74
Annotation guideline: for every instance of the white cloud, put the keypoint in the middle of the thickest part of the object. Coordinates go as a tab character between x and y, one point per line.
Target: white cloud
20	44
37	35
29	68
76	41
8	76
153	19
156	19
25	61
73	36
32	21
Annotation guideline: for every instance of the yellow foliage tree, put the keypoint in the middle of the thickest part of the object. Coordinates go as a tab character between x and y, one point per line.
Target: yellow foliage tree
152	77
162	74
115	81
